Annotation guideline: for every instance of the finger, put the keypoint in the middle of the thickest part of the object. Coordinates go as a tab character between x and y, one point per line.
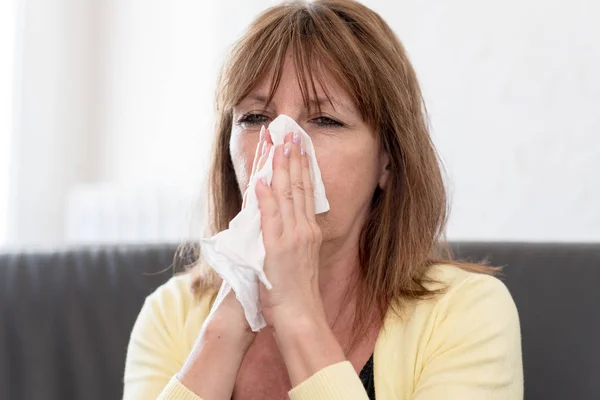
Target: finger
270	215
264	156
259	152
309	192
296	180
267	136
281	183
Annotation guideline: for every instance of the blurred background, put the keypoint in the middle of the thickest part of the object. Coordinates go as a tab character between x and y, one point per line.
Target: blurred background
106	114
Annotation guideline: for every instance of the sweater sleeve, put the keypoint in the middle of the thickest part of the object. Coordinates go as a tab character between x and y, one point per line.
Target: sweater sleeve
154	353
474	351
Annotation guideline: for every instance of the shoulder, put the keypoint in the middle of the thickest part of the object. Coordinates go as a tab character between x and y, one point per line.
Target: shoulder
172	299
174	292
163	334
472	307
469	306
174	309
466	334
175	298
471	291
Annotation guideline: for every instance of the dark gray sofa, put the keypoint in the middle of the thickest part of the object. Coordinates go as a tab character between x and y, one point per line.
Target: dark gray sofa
65	316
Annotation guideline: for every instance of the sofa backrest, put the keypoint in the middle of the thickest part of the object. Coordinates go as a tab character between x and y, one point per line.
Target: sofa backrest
65	316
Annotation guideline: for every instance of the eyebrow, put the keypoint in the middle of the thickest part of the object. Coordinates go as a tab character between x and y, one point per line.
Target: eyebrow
317	102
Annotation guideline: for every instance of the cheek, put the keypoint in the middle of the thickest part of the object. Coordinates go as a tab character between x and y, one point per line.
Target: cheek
350	177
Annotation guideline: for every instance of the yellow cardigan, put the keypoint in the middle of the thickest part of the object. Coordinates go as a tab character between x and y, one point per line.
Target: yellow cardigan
462	344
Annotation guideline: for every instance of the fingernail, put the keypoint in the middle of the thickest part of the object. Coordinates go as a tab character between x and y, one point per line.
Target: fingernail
286	150
264	148
263	180
296	138
262	132
302	152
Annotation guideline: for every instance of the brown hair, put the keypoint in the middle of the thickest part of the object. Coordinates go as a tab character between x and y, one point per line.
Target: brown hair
403	235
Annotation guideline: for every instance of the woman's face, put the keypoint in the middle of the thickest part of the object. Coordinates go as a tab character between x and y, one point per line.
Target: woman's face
348	152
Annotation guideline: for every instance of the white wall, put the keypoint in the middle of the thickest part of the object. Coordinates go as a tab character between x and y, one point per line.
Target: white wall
113	94
514	93
159	77
156	124
53	147
8	13
120	93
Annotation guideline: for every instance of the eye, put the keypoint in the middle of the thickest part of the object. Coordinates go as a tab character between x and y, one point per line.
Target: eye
251	119
327	122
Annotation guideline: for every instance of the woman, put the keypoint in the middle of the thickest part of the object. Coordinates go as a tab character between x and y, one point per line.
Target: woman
363	305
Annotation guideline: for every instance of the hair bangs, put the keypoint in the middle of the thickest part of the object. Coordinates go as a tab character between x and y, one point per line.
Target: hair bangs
321	47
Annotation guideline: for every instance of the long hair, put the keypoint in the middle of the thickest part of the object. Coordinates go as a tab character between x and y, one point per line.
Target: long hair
404	233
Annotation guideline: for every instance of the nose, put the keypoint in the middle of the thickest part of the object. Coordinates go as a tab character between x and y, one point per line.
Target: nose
295	111
291	111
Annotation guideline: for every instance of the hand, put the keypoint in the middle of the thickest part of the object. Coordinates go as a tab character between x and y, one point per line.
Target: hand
227	314
211	369
292	239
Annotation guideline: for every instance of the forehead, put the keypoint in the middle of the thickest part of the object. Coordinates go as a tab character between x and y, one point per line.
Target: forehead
315	87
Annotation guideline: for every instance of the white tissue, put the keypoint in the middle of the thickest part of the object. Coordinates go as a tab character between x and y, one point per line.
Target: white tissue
237	254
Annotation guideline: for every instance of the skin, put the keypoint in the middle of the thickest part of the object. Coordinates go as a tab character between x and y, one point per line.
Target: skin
309	258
